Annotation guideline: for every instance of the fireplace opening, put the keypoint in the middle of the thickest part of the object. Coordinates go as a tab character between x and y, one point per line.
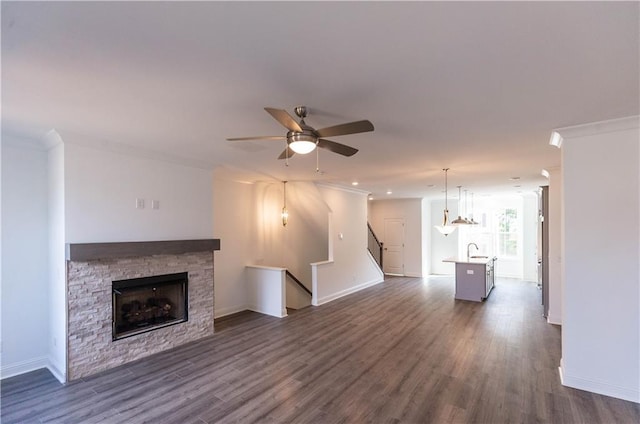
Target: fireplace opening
148	303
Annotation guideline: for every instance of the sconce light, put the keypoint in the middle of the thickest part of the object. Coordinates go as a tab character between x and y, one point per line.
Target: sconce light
285	213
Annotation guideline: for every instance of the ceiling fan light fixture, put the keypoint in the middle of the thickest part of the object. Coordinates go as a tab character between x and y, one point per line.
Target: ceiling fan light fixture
302	143
302	147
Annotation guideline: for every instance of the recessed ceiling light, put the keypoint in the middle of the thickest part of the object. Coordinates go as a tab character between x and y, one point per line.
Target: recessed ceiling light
545	173
355	183
370	197
389	192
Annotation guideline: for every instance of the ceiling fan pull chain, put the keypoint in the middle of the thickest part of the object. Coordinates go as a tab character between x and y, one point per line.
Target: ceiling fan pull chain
318	160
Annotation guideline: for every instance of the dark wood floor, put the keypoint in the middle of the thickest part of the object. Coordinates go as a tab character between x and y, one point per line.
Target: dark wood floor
400	352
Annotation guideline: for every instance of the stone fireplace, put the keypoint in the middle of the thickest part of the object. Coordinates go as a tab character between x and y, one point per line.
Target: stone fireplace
93	270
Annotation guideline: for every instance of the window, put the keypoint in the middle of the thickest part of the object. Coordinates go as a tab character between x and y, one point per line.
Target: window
507	232
499	231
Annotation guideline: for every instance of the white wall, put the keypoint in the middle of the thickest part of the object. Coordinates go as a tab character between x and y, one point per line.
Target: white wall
601	322
303	241
426	237
57	266
410	211
554	261
530	237
350	267
24	310
266	290
101	188
232	213
306	236
442	246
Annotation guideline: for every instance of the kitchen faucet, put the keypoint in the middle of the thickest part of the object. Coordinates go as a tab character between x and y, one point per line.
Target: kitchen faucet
469	248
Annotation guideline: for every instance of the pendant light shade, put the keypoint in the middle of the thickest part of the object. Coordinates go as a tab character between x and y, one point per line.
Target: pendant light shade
445	228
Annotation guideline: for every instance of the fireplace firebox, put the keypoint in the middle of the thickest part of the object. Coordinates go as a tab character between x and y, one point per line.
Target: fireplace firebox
148	303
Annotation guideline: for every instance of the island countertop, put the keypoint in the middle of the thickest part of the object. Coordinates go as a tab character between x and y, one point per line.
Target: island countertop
482	261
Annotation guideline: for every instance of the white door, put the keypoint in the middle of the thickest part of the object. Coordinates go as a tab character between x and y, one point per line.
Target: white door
393	255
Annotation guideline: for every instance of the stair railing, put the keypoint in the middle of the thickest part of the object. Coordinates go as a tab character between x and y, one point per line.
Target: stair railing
374	245
299	283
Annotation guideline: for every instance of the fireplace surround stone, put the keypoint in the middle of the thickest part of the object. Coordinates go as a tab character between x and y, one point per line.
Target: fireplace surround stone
90	348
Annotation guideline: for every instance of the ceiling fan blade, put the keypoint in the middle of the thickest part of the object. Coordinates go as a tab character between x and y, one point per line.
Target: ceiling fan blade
284	118
344	129
338	148
286	153
267	137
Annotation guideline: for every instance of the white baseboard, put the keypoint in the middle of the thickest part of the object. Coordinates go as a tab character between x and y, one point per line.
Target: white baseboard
59	374
22	367
600	387
413	274
221	312
255	308
348	291
555	320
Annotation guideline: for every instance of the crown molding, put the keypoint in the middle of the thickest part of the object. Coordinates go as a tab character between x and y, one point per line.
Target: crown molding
341	188
600	127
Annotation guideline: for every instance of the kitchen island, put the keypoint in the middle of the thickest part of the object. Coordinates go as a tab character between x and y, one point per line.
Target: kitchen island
475	277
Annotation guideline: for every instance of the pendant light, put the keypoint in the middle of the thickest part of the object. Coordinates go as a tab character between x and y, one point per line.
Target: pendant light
466	208
445	228
285	213
459	220
471	220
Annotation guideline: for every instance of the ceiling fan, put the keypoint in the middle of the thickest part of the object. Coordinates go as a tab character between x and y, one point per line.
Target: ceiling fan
302	138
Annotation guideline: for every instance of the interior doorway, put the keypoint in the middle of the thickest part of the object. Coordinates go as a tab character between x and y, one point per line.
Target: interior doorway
393	246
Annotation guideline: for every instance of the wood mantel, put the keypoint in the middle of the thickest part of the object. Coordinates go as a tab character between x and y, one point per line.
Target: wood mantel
81	252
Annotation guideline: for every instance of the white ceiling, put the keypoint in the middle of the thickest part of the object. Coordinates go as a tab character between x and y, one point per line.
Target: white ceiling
476	87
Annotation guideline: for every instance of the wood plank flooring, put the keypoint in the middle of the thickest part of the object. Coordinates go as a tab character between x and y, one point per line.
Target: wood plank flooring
403	351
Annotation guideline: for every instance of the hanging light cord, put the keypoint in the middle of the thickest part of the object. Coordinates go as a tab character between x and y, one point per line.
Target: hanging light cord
445	188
